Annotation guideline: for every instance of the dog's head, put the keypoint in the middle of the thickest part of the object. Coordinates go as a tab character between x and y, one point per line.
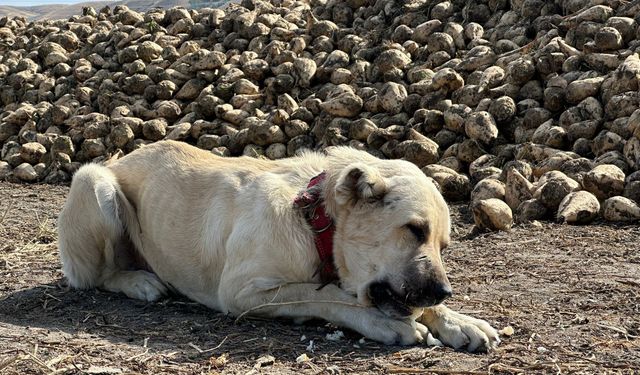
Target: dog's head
391	224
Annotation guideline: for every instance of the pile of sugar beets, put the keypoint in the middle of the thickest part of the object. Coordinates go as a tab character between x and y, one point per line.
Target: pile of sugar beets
528	109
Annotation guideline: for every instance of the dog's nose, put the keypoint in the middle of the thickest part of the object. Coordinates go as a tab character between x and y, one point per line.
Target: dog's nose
430	295
441	292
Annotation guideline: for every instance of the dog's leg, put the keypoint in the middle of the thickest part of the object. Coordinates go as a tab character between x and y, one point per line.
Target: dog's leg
91	226
459	330
330	303
138	284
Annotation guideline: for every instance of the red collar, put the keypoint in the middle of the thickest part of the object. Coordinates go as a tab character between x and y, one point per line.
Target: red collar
311	203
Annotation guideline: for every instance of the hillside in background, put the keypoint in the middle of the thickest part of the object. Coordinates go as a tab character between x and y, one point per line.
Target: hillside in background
62	11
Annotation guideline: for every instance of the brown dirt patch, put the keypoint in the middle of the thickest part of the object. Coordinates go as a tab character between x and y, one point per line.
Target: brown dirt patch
572	294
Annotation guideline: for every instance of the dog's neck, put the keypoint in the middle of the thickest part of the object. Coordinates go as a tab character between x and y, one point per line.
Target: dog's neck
311	203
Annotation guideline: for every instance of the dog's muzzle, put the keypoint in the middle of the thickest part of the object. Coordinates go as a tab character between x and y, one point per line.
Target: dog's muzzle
401	305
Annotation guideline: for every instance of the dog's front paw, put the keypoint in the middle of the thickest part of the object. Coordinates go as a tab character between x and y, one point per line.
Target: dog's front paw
459	330
378	327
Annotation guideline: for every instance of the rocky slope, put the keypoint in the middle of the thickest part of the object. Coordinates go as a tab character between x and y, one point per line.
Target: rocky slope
527	108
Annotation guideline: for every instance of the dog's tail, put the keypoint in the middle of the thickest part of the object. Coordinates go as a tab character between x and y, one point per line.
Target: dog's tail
93	221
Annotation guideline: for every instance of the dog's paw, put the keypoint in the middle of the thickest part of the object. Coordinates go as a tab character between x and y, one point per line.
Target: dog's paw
379	327
459	330
146	287
140	285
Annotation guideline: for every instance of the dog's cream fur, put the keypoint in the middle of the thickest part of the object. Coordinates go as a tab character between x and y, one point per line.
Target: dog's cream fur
224	232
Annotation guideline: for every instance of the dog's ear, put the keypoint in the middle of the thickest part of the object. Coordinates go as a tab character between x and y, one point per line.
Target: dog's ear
360	182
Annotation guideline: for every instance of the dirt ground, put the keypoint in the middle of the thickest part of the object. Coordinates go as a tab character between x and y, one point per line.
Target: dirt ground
571	294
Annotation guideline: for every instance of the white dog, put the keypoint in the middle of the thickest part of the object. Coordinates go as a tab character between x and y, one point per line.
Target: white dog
341	236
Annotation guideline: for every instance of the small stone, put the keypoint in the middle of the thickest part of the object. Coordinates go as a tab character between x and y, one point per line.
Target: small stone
507	331
491	77
613	157
205	60
253	151
264	361
477	166
165	90
335	336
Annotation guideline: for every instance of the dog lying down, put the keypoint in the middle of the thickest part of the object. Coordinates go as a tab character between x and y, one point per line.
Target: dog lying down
341	236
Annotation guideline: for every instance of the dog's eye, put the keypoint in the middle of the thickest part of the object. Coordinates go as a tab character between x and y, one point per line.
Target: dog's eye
417	232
